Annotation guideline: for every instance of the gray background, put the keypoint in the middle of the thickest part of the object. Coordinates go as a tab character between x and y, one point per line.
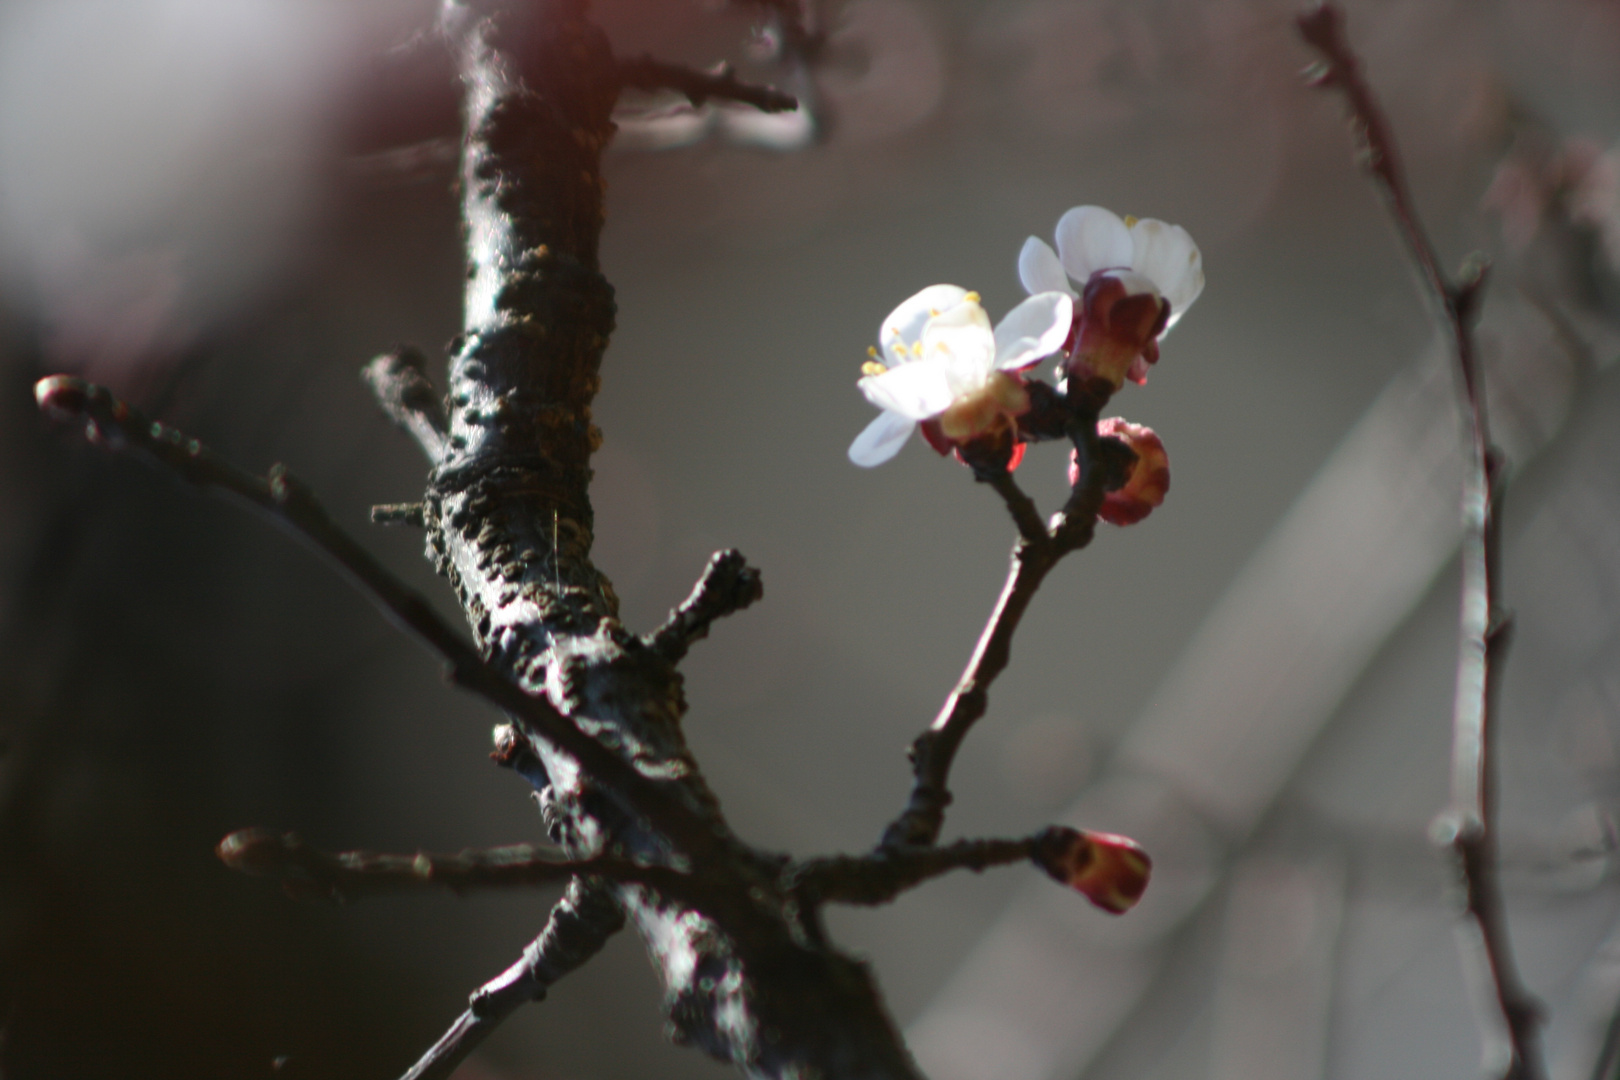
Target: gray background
183	217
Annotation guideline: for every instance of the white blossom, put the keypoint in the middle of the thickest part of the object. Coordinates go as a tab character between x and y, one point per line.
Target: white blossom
1146	256
938	359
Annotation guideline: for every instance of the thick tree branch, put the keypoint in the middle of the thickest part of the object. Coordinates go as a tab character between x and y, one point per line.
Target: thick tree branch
112	423
722	84
307	874
1471	825
580	924
728	585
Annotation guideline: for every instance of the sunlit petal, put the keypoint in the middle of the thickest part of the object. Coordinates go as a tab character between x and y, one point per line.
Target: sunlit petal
915	391
1089	239
1039	269
881	440
1033	329
905	323
1168	256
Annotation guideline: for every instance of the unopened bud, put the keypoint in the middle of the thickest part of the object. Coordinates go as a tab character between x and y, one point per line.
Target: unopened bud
61	397
1149	479
1110	871
257	851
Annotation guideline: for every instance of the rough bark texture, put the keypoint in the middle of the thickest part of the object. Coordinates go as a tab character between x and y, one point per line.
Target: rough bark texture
747	973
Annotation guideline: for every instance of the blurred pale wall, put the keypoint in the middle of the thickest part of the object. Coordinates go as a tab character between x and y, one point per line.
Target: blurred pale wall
180	217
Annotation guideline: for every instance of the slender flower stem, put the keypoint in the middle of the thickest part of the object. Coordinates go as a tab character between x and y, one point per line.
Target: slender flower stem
933	752
1471	830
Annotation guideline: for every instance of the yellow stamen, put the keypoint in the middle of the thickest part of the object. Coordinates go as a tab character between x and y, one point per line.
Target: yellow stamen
971	298
871	350
934	311
1131	220
916	348
872	367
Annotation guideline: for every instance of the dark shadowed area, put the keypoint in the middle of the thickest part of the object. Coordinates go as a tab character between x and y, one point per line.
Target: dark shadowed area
205	206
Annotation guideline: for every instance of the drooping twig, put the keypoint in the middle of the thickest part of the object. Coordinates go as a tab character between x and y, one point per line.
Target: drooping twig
580	924
307	874
728	585
722	84
111	422
1484	627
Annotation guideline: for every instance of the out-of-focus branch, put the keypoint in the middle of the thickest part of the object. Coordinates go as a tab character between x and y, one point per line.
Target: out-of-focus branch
579	926
307	874
402	388
1484	626
721	84
112	423
728	585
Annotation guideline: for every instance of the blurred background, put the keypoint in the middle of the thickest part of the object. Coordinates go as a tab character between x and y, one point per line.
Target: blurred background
222	208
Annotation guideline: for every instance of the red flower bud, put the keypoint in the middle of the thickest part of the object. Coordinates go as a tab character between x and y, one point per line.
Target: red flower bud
1110	871
1117	327
1148	482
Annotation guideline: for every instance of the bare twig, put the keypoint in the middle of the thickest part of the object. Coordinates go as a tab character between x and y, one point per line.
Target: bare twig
111	422
414	514
307	874
580	924
1021	507
889	871
1484	627
407	396
728	585
722	84
933	752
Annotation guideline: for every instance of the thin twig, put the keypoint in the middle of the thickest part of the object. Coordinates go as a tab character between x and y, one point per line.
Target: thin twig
889	871
1020	506
935	749
403	390
933	752
728	585
308	874
580	923
1484	626
111	422
645	73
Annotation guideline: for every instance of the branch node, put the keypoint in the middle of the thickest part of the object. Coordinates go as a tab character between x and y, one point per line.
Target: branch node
728	585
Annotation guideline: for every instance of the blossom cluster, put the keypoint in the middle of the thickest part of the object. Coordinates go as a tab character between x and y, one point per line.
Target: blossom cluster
1101	302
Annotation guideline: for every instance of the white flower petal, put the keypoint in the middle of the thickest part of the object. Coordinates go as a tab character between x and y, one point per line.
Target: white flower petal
1039	269
915	391
881	440
1168	255
1033	329
1089	239
904	326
